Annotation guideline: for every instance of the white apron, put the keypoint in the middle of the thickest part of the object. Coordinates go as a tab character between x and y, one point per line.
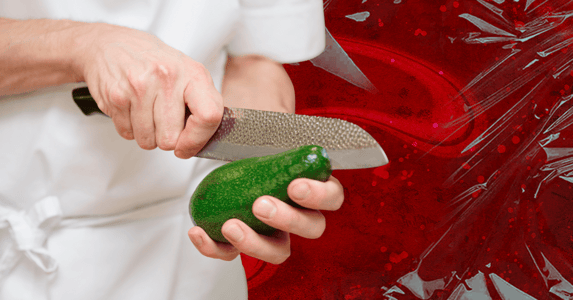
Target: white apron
85	214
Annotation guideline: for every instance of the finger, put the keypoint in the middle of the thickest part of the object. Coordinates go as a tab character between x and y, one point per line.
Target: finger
169	118
206	106
142	113
119	109
143	125
210	248
273	249
315	194
306	223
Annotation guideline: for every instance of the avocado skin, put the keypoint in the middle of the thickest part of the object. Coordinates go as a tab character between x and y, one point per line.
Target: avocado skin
229	191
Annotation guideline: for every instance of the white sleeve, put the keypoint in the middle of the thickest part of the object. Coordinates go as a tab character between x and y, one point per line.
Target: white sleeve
284	30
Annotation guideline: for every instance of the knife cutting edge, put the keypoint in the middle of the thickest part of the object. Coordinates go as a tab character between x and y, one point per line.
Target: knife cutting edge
245	133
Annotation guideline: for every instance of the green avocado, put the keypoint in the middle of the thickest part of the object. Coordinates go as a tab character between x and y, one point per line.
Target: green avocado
229	191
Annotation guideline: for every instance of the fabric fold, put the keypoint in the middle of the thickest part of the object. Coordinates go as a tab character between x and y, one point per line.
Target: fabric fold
285	31
29	231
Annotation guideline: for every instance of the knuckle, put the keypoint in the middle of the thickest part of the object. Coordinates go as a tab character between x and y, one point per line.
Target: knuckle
211	115
294	220
138	83
163	71
200	73
147	143
206	75
166	144
166	141
199	70
119	98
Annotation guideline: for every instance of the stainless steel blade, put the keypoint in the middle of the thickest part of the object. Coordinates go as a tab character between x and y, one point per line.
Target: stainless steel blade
245	133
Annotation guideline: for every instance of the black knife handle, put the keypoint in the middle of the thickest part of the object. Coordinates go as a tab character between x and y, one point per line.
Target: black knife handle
87	104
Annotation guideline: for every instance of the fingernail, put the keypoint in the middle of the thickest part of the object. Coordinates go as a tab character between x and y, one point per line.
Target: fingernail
234	233
265	209
301	191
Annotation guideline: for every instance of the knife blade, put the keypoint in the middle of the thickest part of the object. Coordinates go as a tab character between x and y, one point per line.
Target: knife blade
245	133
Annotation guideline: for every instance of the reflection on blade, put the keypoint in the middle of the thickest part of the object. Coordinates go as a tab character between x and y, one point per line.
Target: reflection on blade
337	62
246	133
357	159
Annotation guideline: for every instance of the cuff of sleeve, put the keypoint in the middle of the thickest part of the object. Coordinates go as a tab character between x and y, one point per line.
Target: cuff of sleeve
285	33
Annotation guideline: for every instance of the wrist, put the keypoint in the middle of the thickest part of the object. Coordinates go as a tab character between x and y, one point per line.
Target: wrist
37	53
79	39
257	82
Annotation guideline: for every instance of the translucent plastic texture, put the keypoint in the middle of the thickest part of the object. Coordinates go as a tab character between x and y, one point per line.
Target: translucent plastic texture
472	103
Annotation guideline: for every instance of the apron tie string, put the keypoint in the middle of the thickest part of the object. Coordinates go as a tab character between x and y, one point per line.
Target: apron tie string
28	231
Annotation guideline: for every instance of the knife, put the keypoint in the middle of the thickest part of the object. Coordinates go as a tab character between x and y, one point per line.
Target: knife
245	133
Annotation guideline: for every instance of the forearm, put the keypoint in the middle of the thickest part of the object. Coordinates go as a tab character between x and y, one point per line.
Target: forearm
258	83
37	53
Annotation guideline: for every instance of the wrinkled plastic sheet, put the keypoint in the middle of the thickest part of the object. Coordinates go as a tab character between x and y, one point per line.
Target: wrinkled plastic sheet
504	183
510	237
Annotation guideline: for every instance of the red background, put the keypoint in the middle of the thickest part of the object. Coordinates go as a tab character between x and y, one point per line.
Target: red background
392	214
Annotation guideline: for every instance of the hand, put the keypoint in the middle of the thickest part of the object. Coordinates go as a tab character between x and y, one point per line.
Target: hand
307	223
145	85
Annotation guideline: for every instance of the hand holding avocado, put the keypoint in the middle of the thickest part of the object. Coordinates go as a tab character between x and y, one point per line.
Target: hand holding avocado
324	192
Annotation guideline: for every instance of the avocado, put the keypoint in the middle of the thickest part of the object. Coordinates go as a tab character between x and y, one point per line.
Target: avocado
230	190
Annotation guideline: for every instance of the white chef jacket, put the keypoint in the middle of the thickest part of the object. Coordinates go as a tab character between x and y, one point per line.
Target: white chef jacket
85	214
